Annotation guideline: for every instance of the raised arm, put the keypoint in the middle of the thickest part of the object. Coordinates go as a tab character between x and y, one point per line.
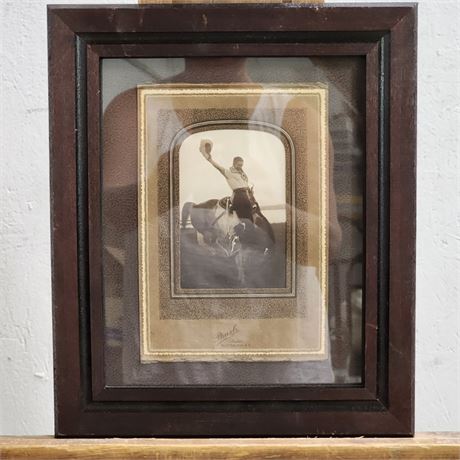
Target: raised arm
205	149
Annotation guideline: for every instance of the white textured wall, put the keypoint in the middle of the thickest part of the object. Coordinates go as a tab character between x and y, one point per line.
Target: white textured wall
26	380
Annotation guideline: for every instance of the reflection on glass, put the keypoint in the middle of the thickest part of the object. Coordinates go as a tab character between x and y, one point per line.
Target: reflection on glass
209	181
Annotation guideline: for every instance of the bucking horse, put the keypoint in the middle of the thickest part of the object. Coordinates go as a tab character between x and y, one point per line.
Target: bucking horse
221	231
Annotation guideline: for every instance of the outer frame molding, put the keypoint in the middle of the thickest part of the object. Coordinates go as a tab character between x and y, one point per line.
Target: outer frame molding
386	36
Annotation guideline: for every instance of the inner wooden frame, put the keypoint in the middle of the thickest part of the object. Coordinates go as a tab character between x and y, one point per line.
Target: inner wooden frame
384	403
101	391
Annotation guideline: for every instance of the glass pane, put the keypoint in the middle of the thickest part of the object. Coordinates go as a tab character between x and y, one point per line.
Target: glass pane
233	220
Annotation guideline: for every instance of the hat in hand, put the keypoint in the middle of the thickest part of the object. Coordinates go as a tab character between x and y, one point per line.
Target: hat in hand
205	148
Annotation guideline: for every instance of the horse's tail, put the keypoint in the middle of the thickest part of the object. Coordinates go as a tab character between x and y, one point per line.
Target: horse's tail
186	213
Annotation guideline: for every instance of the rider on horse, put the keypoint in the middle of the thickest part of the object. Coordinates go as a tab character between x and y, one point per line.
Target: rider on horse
242	201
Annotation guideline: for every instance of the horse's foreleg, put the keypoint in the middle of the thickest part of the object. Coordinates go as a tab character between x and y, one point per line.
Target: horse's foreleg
239	260
200	239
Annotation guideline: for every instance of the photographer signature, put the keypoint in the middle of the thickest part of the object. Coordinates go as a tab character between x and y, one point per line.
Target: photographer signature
223	337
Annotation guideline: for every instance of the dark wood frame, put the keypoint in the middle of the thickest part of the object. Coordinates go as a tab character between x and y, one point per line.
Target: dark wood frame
79	37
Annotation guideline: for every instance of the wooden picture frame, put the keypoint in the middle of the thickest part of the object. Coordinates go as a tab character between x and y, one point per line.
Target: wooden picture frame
88	403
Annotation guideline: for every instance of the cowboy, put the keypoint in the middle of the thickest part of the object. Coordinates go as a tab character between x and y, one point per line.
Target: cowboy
243	201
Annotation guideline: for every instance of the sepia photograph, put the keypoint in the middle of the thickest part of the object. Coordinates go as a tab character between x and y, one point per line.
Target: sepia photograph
232	197
232	222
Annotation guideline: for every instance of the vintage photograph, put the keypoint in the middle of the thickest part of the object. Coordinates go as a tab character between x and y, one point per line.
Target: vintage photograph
233	221
232	215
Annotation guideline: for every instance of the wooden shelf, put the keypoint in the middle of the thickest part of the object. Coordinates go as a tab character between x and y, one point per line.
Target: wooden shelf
431	446
148	2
